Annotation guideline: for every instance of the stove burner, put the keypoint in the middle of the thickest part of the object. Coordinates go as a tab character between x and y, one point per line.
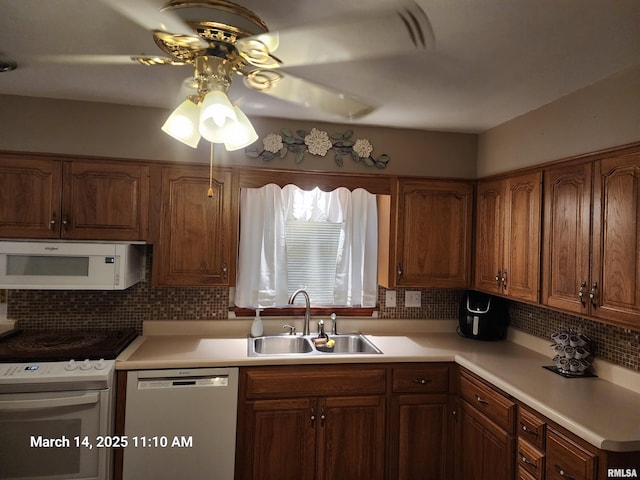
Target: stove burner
52	341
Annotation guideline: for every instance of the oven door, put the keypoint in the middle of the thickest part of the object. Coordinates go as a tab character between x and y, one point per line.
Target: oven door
55	435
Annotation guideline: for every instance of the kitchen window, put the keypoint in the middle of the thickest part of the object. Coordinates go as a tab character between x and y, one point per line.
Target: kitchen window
324	242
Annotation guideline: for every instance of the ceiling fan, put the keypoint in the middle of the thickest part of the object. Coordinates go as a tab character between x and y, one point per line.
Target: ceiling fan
220	38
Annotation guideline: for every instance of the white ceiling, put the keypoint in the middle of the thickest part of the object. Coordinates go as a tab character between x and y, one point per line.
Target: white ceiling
493	60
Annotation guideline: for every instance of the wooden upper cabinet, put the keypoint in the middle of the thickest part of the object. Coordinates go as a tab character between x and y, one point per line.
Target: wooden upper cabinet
615	282
30	197
567	237
80	200
489	244
434	231
591	262
105	201
194	241
521	270
508	236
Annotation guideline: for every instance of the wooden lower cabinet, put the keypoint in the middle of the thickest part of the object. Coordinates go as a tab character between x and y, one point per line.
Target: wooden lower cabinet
420	421
486	450
324	430
566	459
414	421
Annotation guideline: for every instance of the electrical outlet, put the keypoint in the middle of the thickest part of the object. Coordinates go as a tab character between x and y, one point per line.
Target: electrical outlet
413	298
390	299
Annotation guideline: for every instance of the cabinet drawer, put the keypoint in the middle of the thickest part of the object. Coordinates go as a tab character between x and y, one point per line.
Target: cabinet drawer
567	460
530	459
421	379
531	428
316	380
524	475
486	399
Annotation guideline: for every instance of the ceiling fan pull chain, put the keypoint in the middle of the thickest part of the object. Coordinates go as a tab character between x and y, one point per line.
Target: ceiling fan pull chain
210	192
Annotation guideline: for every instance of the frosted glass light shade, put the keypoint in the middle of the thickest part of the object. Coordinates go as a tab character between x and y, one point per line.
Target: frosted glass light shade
217	108
183	122
239	134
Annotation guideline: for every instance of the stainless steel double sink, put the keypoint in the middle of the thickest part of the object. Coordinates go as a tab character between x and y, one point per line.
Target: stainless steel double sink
352	343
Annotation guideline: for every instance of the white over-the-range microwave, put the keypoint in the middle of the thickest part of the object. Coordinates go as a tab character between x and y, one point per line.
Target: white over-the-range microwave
68	265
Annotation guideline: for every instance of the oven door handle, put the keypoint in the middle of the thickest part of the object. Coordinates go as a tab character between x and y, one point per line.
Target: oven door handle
14	405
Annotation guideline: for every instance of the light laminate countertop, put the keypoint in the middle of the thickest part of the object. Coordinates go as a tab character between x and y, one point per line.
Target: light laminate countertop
602	413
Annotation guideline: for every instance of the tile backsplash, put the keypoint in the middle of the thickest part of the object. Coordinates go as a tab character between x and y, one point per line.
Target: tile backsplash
615	344
64	309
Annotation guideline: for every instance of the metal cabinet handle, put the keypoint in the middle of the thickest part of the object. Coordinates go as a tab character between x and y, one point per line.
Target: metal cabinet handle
498	277
562	473
322	417
399	270
593	294
529	431
422	381
526	461
224	270
504	278
313	417
481	400
582	292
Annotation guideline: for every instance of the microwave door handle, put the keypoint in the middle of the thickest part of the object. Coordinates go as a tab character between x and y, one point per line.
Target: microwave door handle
15	405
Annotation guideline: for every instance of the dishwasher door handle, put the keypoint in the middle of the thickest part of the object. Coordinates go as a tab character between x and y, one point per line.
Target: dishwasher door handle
183	382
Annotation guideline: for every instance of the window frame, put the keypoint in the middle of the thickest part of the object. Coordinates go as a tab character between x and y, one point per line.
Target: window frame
252	177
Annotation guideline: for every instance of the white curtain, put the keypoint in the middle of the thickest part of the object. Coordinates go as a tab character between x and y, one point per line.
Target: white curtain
262	260
262	272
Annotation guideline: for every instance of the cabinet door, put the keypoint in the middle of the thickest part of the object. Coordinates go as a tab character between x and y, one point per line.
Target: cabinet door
434	234
30	195
278	440
489	236
103	201
194	241
419	441
487	452
567	238
566	459
616	240
521	268
351	438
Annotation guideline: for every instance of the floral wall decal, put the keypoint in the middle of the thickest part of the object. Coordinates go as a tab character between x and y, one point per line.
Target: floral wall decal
319	143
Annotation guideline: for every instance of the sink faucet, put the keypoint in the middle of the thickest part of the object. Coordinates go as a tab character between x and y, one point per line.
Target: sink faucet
307	311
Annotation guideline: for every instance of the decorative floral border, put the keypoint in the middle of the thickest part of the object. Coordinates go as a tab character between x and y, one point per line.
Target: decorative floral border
317	142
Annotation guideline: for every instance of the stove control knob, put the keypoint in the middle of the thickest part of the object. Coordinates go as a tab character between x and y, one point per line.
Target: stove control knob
86	365
101	365
71	366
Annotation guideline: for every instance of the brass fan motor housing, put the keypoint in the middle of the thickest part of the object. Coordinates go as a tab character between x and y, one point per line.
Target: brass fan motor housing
220	36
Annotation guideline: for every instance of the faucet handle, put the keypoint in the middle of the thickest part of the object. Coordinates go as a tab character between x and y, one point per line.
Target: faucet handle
321	333
334	324
292	329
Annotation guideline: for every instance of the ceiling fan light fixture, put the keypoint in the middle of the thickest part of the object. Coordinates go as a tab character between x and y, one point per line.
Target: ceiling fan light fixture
239	134
183	123
216	108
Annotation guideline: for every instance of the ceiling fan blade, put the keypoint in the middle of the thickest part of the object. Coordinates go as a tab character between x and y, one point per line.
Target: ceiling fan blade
383	33
150	60
285	86
148	16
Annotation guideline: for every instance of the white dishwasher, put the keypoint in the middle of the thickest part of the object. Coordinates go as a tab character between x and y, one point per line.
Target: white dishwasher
180	424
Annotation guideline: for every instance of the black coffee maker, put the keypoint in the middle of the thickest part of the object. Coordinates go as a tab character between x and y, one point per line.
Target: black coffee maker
483	316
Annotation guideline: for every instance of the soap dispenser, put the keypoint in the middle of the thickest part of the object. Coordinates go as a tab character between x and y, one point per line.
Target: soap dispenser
256	326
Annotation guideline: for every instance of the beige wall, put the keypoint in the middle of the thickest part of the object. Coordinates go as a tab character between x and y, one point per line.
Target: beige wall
603	115
97	129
